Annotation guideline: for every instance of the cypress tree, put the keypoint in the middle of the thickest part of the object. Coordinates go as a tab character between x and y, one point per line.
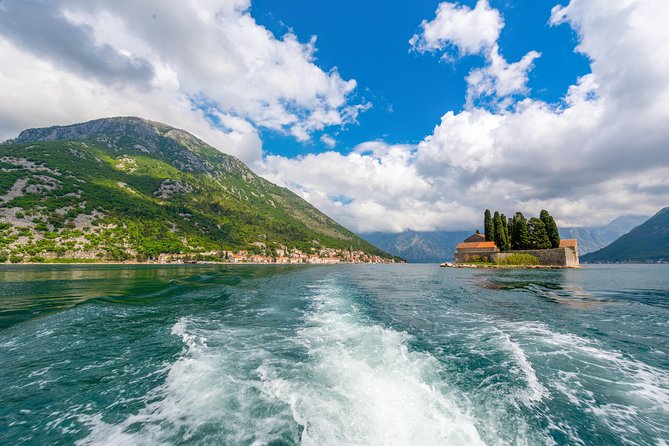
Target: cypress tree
537	234
551	228
554	233
505	229
512	232
488	228
520	237
500	239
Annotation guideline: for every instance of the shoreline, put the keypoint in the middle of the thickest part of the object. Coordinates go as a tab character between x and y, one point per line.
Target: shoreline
153	263
492	266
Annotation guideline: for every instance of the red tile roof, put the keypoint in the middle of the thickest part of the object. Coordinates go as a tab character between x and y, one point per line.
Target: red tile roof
568	243
475	245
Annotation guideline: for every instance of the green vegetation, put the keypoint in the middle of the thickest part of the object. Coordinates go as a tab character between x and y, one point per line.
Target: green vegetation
518	259
517	233
506	238
537	234
126	188
551	228
488	226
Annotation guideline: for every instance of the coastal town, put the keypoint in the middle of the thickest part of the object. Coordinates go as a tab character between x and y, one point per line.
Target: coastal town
282	255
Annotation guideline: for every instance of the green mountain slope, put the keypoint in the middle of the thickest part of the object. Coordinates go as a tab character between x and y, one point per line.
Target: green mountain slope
127	188
648	242
592	238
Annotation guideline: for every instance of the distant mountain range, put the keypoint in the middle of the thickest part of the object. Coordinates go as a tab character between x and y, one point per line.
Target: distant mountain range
438	246
646	243
419	247
126	188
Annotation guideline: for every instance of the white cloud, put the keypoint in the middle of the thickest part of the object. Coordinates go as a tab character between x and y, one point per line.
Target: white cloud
329	141
159	59
470	31
499	79
601	153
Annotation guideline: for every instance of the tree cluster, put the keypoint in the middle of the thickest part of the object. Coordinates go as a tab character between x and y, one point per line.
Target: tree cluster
517	232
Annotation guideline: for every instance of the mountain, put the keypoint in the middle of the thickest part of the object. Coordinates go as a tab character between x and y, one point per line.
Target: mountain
419	247
592	238
646	243
127	188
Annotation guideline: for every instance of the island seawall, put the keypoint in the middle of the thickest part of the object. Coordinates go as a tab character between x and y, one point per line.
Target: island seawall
563	256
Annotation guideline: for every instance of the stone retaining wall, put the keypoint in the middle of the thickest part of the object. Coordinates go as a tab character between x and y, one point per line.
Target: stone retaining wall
552	257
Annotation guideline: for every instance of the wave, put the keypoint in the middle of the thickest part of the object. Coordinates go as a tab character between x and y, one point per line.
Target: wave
336	379
627	395
363	385
209	394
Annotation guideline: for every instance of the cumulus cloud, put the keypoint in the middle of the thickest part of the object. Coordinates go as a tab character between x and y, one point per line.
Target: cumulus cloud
179	62
469	31
476	32
499	79
599	153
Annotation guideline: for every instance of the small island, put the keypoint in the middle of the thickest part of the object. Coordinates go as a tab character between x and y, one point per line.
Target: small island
516	242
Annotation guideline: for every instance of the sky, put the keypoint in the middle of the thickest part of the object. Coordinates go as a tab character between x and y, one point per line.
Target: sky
386	115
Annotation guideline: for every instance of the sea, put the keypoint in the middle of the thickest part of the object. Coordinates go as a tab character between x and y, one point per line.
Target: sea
333	355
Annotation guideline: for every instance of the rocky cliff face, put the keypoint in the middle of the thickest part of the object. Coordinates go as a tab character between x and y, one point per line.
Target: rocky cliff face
130	135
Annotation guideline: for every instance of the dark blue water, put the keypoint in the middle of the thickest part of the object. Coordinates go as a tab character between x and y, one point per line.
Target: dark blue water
378	354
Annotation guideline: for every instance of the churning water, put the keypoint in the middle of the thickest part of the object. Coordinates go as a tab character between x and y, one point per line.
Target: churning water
334	355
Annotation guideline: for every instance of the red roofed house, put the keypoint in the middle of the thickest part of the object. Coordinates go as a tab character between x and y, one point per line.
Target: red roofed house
475	249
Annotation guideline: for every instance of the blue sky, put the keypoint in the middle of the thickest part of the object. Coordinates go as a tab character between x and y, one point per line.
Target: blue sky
436	110
368	41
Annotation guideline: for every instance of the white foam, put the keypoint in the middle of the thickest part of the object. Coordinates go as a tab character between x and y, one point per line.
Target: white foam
535	390
202	388
645	381
364	386
636	393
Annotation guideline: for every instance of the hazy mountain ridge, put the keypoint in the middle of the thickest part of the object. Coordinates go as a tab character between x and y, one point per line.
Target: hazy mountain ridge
126	187
419	247
646	243
592	238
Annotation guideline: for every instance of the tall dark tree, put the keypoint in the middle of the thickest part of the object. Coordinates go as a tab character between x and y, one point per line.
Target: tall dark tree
505	229
537	234
488	227
500	236
520	238
496	225
551	228
511	232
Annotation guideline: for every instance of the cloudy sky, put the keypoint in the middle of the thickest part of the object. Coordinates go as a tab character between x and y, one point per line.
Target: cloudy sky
387	115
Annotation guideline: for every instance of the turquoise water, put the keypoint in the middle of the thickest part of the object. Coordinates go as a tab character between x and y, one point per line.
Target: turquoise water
333	355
